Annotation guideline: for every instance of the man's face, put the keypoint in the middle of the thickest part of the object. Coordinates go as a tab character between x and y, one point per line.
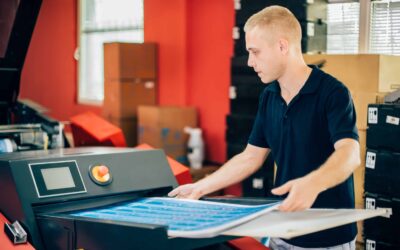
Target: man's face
265	54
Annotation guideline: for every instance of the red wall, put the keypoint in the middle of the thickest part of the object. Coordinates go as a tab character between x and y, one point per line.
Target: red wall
195	46
165	24
49	76
210	48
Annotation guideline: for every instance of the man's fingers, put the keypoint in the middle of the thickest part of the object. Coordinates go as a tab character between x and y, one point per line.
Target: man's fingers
287	204
282	189
290	203
293	203
174	192
290	206
192	197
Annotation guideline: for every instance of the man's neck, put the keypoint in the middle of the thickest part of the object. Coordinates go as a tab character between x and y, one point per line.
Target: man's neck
293	80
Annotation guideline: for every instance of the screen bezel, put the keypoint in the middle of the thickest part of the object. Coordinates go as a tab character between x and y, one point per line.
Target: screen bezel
38	179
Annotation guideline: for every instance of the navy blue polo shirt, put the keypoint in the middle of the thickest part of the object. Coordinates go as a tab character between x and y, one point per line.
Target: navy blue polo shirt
301	136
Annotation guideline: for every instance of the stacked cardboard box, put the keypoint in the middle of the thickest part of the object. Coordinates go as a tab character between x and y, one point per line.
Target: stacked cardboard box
368	78
362	73
162	127
130	75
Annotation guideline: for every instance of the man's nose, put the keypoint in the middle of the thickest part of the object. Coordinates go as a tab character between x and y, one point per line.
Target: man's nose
250	62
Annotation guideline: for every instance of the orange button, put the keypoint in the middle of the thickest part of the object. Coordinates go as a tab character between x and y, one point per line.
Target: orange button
101	173
102	170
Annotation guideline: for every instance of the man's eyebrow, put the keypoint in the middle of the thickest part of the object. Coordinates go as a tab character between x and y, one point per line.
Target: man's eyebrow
251	49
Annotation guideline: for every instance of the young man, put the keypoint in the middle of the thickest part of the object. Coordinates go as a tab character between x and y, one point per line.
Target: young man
306	119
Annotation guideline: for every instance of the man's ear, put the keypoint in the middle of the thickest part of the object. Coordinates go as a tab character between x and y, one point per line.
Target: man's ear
283	46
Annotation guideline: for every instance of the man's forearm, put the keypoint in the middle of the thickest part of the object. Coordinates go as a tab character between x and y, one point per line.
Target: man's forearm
233	171
339	166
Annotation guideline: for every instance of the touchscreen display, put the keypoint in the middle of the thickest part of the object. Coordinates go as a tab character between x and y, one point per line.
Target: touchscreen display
57	178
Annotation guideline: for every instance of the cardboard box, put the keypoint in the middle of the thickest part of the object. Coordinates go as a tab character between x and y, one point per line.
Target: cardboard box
204	171
362	134
162	127
366	73
359	173
360	230
126	61
359	178
128	127
122	98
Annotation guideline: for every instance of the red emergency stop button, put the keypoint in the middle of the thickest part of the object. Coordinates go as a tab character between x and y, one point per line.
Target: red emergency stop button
100	174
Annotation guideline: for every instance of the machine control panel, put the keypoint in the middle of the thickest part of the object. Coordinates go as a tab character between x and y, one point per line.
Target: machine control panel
57	178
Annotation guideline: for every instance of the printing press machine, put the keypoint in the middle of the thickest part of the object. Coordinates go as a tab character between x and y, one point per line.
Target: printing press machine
38	188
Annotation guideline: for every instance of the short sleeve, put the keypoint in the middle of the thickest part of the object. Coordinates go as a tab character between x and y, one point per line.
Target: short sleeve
257	135
341	115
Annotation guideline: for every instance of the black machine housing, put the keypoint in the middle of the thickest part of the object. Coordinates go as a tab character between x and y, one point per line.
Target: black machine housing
21	122
44	213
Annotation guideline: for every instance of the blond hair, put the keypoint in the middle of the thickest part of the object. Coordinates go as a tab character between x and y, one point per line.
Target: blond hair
279	20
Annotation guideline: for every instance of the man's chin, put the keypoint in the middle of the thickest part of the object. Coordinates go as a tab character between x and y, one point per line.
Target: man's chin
264	80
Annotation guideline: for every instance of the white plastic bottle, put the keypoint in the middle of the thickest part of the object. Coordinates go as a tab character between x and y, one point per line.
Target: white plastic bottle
195	147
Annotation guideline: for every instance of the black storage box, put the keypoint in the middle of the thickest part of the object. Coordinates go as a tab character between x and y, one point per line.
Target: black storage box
382	172
260	183
240	67
248	106
237	137
382	228
246	79
246	91
301	9
384	126
372	244
240	123
313	38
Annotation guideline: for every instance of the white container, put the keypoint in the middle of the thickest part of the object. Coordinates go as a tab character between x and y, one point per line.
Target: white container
195	147
7	146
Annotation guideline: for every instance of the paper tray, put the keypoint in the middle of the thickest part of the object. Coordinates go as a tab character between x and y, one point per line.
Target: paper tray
288	225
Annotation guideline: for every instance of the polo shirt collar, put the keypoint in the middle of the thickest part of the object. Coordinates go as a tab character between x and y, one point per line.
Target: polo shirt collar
309	87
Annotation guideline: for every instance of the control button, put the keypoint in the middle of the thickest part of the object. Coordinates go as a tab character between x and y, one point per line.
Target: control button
100	174
103	171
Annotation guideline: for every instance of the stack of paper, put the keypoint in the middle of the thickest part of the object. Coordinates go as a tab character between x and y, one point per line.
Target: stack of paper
201	219
184	218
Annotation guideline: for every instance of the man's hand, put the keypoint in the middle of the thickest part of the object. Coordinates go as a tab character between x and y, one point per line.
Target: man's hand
302	194
188	191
